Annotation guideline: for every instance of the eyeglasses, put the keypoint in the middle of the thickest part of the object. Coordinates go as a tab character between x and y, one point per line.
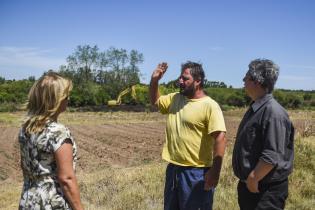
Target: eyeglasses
248	77
183	78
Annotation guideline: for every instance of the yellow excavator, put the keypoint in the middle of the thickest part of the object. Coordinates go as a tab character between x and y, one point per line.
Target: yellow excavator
117	102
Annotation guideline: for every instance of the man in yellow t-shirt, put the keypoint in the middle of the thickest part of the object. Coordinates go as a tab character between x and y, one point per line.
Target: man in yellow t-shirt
195	139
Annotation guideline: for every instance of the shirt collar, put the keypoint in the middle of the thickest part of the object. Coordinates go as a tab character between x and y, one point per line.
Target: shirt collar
261	101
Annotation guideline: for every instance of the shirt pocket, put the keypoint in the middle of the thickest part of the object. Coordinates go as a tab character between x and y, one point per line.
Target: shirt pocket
252	138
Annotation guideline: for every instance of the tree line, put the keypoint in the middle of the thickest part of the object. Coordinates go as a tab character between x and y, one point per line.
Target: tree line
99	76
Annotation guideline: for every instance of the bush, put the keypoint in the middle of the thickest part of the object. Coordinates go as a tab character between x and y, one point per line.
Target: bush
307	97
9	107
294	101
142	94
236	100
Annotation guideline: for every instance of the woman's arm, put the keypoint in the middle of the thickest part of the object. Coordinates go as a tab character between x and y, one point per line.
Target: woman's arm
66	176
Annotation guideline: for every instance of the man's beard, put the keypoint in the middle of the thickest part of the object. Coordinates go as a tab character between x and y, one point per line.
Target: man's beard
188	91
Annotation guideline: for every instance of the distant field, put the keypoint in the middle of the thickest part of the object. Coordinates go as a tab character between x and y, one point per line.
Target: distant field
120	165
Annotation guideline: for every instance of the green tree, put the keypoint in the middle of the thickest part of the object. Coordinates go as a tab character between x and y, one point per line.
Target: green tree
2	80
31	78
121	70
111	71
214	84
280	97
307	96
84	61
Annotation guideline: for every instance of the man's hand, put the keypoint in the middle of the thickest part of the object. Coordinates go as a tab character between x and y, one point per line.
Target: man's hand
261	170
156	76
159	71
211	179
252	183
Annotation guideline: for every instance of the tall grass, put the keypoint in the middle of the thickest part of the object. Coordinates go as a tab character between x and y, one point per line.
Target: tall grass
142	187
302	181
10	195
128	188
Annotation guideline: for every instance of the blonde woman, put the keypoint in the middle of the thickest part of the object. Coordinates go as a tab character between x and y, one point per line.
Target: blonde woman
48	151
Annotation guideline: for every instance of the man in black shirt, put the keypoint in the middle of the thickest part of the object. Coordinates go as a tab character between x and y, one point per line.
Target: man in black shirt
263	150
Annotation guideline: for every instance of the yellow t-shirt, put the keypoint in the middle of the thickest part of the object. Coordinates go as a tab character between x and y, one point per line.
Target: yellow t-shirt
189	125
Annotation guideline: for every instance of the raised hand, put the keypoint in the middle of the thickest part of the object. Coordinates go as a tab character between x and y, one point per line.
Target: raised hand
159	71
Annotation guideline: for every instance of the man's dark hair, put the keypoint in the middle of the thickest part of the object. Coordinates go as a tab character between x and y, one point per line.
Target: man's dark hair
196	71
265	72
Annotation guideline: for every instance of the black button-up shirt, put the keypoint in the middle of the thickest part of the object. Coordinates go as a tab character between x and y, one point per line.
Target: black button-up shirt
265	133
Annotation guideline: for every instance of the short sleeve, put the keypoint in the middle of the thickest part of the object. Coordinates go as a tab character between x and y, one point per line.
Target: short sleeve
274	145
57	135
216	119
164	102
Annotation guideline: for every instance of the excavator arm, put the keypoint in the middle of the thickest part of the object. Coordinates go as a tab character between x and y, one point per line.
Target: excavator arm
121	94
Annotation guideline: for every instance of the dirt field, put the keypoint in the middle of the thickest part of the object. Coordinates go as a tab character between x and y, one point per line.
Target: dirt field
118	139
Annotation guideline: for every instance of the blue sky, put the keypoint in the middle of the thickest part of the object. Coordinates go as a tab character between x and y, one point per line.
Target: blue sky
223	35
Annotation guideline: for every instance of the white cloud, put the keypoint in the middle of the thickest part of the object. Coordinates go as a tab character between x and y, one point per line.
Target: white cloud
28	58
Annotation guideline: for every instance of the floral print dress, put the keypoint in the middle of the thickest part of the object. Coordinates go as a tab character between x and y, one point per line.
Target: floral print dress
41	189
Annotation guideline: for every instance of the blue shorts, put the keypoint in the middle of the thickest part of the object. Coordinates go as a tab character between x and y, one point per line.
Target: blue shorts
184	189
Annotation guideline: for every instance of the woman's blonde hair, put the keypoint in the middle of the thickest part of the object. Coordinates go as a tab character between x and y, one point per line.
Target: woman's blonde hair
44	100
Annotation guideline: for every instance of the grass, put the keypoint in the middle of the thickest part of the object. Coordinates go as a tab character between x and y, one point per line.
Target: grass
302	181
11	118
128	188
10	195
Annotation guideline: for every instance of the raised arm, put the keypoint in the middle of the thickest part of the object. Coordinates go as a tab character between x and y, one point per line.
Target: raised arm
66	176
154	83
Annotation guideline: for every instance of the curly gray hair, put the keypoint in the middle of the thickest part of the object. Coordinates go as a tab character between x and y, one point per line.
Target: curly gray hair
265	72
